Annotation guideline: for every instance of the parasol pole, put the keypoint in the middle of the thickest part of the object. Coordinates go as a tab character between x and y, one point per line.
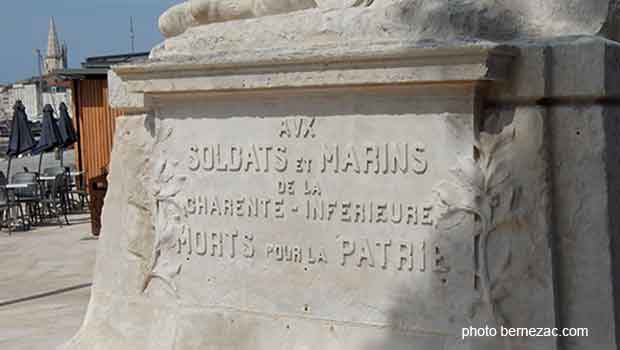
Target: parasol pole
40	161
8	170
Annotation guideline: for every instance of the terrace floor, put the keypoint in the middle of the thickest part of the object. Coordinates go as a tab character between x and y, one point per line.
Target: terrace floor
45	277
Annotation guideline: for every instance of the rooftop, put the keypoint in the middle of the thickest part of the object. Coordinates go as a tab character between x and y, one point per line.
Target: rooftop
99	65
110	60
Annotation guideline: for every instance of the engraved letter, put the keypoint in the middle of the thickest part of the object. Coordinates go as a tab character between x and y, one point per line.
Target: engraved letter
397	213
427	215
217	244
248	245
359	213
399	156
201	203
194	159
384	250
348	248
366	254
190	208
252	159
350	160
233	236
297	255
279	252
372	159
185	239
208	157
406	257
222	165
267	149
310	128
284	130
322	258
330	155
281	160
422	256
239	207
236	158
381	209
412	215
279	209
201	243
346	211
420	165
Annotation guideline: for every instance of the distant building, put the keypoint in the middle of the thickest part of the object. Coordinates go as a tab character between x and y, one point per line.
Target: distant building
35	93
56	57
5	104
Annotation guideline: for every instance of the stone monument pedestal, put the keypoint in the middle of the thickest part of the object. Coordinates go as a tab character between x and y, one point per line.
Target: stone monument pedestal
363	194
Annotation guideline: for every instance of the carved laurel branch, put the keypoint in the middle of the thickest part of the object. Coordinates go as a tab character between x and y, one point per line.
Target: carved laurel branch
481	183
168	217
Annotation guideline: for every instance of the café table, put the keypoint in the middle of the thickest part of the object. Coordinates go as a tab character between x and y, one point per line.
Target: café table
47	178
18	186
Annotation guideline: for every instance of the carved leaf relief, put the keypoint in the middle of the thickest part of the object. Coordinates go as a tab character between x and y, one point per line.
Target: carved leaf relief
480	184
168	218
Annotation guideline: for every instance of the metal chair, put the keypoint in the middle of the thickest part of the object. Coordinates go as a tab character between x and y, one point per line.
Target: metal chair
30	195
8	204
50	172
55	200
77	188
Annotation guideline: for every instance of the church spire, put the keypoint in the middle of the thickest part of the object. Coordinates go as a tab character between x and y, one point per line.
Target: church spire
53	46
56	56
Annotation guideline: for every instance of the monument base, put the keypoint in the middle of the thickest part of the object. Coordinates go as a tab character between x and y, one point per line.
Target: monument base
377	195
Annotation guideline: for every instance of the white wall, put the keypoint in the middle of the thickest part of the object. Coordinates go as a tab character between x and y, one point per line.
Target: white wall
34	100
55	98
5	107
29	95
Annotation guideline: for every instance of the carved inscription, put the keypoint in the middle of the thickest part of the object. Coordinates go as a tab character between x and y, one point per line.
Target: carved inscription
328	217
389	158
241	207
298	190
216	244
320	210
360	253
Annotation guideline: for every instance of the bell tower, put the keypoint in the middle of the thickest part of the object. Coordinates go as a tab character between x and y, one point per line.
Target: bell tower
56	57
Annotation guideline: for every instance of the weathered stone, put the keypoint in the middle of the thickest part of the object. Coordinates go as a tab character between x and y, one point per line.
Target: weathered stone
320	180
497	19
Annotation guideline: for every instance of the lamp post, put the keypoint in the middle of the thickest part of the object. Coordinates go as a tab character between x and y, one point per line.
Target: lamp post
39	94
132	35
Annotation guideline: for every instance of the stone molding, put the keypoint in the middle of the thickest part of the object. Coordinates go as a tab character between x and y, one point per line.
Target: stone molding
385	63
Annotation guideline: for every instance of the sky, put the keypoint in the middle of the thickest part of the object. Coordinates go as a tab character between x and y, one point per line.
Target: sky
89	27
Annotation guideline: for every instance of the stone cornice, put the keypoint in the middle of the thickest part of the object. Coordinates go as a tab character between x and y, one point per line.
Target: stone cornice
376	64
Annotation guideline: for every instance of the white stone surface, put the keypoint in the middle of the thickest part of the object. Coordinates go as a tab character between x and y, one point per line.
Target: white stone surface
119	95
497	19
586	162
321	67
205	245
175	285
